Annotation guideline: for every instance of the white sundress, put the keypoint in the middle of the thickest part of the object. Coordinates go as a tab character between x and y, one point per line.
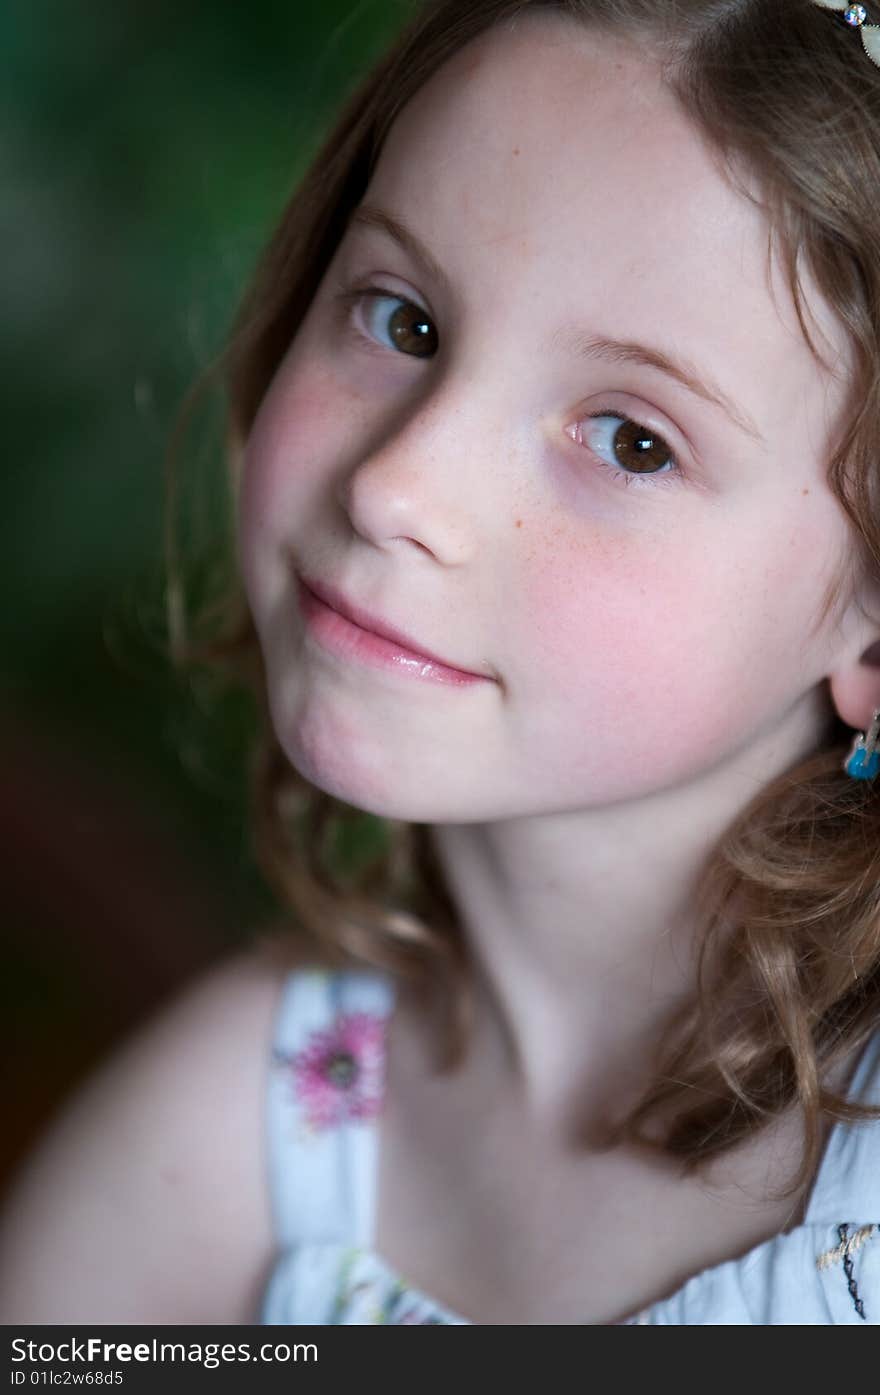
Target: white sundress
325	1094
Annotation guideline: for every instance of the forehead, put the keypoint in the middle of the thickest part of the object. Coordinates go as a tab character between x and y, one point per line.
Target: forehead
549	152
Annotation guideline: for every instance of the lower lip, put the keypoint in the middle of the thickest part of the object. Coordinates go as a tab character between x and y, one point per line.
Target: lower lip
348	641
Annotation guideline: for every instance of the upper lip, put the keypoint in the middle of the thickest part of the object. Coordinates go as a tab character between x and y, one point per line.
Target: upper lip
334	598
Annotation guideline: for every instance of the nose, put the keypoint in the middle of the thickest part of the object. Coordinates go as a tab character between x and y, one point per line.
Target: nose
414	479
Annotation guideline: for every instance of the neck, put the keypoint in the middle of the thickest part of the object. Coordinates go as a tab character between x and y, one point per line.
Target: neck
582	934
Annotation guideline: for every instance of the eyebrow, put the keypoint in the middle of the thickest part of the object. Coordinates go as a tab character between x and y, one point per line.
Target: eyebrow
575	341
367	215
592	346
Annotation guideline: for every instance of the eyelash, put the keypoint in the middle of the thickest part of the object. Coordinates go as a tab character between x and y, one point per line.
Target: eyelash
350	296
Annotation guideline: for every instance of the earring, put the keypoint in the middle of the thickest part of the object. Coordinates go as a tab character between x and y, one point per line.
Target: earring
863	761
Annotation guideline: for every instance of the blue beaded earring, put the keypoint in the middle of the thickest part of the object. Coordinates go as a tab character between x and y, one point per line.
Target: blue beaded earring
863	761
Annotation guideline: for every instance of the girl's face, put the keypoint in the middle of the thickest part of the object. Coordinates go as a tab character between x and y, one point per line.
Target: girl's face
635	556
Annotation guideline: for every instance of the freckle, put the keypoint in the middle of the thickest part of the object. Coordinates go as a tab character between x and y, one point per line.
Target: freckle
805	491
516	150
519	523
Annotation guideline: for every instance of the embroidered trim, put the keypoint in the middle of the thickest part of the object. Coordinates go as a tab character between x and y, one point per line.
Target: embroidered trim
844	1252
847	1245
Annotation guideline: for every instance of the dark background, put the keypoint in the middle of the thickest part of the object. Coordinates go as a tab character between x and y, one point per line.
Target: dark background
145	150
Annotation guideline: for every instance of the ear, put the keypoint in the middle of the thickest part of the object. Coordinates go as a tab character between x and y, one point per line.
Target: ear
855	687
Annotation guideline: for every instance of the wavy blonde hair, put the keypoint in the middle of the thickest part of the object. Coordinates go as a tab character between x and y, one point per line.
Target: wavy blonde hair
790	897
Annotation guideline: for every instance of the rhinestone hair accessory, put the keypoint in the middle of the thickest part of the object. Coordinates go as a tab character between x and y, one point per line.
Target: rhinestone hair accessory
863	761
857	16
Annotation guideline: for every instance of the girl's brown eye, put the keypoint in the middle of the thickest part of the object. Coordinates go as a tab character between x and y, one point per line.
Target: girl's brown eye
631	451
637	448
408	327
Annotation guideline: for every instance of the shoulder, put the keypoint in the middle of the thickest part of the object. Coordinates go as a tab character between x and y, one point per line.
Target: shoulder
146	1200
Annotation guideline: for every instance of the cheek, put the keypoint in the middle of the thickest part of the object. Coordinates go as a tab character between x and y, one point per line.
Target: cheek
295	437
620	628
642	652
291	436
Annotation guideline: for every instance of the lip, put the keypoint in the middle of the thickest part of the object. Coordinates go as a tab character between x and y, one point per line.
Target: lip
399	646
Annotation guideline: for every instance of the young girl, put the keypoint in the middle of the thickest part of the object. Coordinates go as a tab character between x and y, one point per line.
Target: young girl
555	410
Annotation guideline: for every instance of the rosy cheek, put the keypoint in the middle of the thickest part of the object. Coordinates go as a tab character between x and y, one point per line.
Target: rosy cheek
292	436
595	606
288	455
633	654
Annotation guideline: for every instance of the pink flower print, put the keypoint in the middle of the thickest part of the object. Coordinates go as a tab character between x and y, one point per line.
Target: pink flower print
339	1074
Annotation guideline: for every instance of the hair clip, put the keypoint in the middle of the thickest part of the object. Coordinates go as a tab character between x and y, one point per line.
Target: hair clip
857	16
863	761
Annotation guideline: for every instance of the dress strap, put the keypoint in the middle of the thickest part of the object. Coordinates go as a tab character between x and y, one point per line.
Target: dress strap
325	1094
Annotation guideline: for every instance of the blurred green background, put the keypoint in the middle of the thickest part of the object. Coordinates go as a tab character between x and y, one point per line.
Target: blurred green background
146	150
